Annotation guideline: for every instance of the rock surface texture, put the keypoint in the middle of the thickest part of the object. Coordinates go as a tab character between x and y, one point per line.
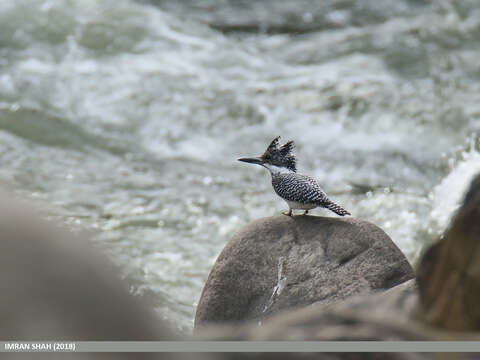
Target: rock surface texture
391	315
359	318
449	272
57	286
281	263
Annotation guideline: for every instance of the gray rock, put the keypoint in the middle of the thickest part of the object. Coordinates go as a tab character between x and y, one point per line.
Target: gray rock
280	263
57	286
449	273
383	316
390	315
361	317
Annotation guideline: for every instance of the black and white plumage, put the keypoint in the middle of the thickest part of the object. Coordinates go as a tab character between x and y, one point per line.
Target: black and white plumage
299	191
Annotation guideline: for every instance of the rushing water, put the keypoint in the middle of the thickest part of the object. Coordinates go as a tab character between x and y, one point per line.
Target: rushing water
127	117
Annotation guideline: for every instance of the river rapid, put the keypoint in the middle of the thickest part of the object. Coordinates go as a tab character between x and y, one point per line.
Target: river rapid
127	118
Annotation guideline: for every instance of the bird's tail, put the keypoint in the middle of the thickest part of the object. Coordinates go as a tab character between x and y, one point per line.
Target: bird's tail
337	209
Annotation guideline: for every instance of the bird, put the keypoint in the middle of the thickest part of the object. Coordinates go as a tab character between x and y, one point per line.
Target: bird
299	191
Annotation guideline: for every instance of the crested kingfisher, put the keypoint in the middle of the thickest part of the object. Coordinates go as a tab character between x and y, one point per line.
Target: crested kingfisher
299	191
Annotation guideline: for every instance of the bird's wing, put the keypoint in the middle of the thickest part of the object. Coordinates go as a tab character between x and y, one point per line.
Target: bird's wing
300	188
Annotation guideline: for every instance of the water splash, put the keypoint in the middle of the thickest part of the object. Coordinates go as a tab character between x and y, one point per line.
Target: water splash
447	196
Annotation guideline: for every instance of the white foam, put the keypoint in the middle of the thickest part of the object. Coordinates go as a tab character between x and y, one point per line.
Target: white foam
448	194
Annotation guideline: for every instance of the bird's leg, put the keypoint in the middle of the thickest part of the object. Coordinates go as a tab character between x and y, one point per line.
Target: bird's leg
289	212
306	212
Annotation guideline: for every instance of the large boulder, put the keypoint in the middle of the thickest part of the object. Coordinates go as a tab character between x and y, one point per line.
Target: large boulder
57	286
449	271
391	315
280	263
388	315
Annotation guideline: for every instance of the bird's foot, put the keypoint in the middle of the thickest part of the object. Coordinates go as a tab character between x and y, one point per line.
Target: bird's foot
289	213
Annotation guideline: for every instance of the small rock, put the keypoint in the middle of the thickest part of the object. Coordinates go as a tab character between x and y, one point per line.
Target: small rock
281	263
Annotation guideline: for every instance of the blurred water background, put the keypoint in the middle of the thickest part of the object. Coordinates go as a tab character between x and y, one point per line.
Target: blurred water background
128	116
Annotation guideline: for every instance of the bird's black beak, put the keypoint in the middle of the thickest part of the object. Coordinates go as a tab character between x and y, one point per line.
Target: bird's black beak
254	160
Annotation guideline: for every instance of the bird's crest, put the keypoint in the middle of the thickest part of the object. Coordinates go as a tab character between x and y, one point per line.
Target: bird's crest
281	155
